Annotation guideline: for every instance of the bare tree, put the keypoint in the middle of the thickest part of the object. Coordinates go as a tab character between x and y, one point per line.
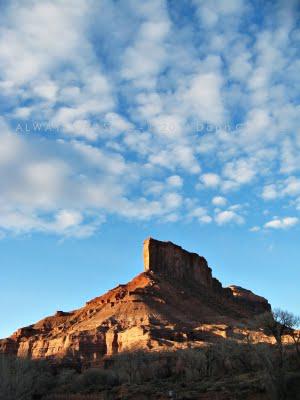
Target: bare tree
279	323
292	322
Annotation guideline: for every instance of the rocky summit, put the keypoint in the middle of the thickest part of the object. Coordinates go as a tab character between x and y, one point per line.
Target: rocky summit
175	303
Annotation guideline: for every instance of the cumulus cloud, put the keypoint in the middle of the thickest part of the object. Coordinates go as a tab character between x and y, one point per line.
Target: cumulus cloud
284	223
219	201
210	180
269	192
241	171
175	181
204	97
228	216
200	214
289	187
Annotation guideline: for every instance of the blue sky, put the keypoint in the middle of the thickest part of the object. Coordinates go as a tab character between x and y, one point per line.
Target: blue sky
121	120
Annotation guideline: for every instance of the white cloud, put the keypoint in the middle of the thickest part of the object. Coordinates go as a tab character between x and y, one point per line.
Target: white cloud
172	217
172	200
66	223
206	219
112	163
210	180
287	187
241	67
255	229
176	156
219	201
228	216
290	156
284	223
143	60
210	13
269	192
240	171
117	124
167	125
47	90
68	218
175	181
291	186
200	214
204	97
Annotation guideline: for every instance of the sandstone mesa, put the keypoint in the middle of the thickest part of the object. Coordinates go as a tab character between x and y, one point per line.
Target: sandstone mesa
175	303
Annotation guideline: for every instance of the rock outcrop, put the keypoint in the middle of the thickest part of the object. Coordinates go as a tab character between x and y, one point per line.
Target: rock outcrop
170	260
174	303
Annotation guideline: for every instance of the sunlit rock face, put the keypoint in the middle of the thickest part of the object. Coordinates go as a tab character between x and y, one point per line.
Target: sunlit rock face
175	303
170	260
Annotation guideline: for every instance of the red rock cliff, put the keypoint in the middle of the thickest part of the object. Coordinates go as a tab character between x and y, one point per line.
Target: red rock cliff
170	260
175	303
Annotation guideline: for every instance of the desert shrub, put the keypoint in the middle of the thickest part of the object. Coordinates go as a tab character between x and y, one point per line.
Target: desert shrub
230	358
93	380
190	365
22	379
66	377
138	367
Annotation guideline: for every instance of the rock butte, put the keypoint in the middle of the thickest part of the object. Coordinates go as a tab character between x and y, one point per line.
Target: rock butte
175	303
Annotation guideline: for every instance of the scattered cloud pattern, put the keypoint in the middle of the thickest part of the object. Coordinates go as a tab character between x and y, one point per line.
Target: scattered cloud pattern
183	111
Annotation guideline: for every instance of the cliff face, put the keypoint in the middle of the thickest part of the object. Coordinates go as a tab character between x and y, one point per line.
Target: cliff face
170	260
175	303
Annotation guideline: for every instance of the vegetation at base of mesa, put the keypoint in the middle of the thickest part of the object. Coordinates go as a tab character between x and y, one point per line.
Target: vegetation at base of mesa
273	370
279	324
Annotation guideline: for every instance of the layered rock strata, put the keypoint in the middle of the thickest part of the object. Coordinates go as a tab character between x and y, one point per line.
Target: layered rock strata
174	303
